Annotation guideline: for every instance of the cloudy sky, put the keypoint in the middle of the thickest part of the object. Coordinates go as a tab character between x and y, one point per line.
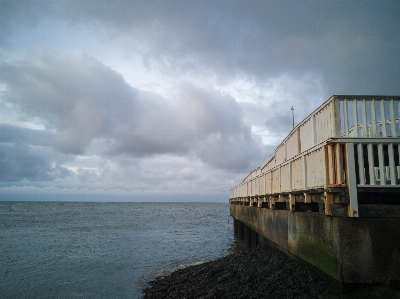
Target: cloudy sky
164	100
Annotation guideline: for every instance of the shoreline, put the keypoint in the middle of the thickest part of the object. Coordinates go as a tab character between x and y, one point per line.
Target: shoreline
259	272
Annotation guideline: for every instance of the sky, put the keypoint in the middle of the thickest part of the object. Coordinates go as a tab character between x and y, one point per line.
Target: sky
173	100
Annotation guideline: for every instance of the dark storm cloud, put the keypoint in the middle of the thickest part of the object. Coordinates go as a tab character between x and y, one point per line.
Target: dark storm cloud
84	101
353	44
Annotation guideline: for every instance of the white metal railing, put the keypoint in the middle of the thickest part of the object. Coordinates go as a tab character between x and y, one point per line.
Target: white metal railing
372	116
336	118
377	163
325	150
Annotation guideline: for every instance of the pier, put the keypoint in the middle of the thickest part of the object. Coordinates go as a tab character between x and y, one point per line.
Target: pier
330	192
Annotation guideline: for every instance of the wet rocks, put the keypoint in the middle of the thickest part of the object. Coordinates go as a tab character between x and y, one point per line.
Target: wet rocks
262	272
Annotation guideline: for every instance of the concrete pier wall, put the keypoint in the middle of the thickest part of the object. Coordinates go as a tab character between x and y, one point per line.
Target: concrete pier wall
351	250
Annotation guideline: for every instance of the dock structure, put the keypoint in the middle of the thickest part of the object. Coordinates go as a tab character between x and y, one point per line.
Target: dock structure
330	192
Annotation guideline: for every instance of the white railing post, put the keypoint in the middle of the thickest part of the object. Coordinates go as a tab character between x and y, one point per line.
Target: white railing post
331	165
355	119
381	160
364	119
346	119
392	118
339	164
351	180
383	118
372	179
392	166
360	153
336	118
373	118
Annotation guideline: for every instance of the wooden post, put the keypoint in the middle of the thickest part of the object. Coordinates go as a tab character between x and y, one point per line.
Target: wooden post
307	197
328	201
292	202
272	203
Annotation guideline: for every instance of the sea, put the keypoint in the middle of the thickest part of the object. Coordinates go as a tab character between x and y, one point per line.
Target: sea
105	250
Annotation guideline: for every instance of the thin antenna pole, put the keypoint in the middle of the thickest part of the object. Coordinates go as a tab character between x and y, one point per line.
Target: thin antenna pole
292	116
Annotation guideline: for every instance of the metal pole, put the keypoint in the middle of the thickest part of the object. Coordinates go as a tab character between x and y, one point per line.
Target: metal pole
292	116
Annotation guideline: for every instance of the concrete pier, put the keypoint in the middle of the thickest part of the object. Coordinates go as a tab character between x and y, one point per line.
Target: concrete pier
330	192
351	250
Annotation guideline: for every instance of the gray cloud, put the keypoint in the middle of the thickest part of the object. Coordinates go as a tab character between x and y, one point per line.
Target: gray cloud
23	162
73	93
294	52
354	45
85	101
26	154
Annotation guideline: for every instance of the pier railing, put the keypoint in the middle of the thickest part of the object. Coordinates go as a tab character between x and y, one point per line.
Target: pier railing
345	153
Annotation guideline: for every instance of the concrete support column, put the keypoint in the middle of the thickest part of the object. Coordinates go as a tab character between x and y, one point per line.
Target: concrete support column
328	200
247	234
235	226
240	229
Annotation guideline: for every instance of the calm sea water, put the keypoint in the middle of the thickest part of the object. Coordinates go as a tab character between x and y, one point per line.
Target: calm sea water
104	250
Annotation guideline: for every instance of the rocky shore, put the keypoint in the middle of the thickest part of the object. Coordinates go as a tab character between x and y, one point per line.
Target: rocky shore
261	272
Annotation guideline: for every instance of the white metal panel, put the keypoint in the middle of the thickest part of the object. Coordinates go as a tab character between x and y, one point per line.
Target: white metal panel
315	168
280	154
323	123
262	184
297	174
292	145
285	178
275	181
268	189
308	137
